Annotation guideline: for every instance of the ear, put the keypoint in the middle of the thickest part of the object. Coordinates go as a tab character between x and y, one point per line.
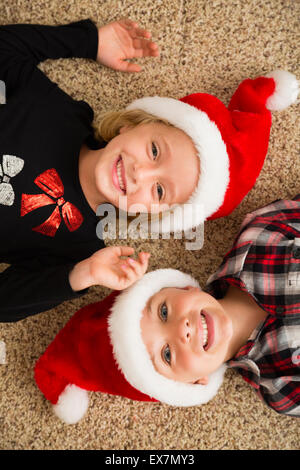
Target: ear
202	381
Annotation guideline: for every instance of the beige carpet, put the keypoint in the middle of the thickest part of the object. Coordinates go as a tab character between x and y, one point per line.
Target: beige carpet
206	45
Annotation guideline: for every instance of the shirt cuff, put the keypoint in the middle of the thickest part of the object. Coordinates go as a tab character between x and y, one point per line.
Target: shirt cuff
69	292
92	39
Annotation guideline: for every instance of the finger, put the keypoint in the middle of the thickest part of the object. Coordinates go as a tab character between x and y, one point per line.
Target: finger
152	49
128	67
144	257
134	29
144	260
125	250
129	271
154	52
138	266
139	33
143	44
142	48
128	23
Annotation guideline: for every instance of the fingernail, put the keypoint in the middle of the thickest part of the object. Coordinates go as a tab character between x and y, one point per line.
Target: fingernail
130	260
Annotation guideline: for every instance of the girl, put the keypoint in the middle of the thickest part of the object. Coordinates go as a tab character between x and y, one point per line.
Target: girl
46	200
159	153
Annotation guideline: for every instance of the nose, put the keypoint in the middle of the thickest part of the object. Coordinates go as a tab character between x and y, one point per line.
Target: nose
184	330
143	173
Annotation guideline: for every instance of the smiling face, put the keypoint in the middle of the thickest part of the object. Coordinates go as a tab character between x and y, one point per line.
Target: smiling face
151	164
187	334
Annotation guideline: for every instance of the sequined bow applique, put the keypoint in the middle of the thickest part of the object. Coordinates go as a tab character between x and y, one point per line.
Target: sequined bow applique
51	184
11	166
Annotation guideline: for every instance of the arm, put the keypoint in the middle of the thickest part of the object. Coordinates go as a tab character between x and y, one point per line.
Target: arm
286	400
23	46
29	289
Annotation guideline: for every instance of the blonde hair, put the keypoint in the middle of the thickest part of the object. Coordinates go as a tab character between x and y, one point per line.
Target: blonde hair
112	121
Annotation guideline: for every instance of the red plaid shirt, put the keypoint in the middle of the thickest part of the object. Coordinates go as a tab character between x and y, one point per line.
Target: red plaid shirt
265	263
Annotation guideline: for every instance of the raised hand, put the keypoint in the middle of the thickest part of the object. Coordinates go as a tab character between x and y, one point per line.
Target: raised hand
121	40
107	268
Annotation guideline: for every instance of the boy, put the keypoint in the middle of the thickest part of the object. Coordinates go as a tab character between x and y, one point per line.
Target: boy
249	316
167	340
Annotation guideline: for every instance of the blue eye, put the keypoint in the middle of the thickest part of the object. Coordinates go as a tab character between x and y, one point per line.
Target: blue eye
163	312
154	150
159	191
155	155
166	353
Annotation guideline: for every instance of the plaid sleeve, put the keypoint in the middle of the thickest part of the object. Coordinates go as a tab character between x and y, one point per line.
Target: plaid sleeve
286	399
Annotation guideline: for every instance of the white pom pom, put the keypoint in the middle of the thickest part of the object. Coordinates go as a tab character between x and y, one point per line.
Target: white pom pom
286	91
72	404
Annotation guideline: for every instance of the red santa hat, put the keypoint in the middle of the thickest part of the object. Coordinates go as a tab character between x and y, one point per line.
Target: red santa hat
231	142
101	349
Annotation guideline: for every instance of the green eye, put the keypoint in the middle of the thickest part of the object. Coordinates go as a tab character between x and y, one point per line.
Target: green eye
163	312
167	355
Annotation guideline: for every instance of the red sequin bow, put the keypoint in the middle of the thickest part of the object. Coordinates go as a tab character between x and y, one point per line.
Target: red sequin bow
51	184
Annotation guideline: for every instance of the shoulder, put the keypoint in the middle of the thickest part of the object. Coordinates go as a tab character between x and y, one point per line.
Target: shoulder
279	210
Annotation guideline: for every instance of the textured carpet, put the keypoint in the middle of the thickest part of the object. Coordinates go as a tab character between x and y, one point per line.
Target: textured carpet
205	46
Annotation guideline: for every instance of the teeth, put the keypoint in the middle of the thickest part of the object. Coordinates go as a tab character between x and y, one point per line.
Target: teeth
205	330
119	173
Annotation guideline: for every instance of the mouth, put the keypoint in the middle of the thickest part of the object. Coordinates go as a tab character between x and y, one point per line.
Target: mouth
207	330
118	175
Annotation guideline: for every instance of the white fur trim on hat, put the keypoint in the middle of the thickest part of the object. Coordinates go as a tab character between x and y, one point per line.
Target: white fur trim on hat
211	149
72	404
131	353
286	91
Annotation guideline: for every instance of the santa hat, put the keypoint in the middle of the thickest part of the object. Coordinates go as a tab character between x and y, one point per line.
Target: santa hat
231	143
101	349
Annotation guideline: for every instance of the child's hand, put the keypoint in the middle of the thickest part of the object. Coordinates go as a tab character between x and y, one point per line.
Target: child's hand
105	268
121	40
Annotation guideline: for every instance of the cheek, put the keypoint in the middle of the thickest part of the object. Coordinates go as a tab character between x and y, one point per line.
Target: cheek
189	362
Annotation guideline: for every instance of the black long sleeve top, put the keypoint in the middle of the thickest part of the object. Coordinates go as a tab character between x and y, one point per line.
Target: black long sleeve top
46	223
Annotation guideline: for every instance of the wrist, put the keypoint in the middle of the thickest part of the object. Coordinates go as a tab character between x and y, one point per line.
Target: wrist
80	277
98	58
